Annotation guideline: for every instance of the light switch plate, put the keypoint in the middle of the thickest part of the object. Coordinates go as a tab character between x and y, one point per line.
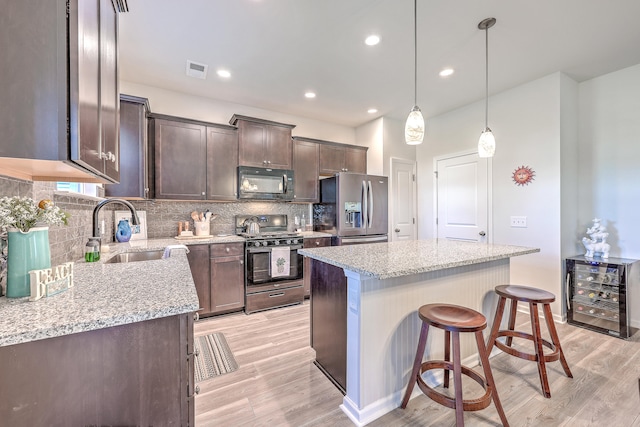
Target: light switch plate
142	215
519	222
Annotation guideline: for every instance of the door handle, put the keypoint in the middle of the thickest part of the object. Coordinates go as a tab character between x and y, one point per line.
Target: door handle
482	233
370	197
397	230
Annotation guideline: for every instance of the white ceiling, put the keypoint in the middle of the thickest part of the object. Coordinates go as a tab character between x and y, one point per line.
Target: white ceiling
278	49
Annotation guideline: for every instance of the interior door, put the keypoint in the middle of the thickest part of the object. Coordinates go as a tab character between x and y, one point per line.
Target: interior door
462	198
403	200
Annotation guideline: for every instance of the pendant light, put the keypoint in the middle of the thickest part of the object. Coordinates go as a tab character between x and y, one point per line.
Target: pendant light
414	128
487	142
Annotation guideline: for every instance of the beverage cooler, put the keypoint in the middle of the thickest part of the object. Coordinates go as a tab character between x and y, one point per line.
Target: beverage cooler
598	293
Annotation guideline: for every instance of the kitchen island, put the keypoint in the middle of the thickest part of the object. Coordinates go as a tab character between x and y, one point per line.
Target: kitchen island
385	285
115	349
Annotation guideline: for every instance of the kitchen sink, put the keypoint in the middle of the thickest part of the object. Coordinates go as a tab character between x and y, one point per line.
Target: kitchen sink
136	256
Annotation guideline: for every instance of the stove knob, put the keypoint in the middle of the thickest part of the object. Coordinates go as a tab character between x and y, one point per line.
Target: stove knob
276	242
295	241
289	241
257	243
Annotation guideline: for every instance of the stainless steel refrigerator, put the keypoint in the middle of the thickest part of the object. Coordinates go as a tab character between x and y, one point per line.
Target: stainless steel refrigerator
354	208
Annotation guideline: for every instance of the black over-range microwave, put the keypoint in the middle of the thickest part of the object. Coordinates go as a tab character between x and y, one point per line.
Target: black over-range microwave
265	183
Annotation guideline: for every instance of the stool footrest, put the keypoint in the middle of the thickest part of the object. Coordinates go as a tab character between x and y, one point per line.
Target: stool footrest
467	404
551	357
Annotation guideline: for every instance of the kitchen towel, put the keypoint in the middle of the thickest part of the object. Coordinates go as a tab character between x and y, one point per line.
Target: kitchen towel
280	259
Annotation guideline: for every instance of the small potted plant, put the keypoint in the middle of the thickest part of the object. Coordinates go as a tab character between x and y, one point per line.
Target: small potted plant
26	224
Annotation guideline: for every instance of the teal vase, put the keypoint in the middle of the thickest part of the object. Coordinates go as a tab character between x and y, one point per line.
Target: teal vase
26	251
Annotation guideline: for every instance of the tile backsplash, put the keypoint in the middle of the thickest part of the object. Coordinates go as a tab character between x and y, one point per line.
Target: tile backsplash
163	216
67	242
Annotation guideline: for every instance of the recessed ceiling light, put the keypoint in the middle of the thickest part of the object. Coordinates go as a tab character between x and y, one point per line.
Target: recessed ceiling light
310	95
446	72
224	74
372	40
372	110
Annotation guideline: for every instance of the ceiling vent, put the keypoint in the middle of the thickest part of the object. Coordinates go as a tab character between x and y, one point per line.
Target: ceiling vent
195	69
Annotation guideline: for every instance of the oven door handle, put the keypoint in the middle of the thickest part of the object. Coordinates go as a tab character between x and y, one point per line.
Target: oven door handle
268	249
258	250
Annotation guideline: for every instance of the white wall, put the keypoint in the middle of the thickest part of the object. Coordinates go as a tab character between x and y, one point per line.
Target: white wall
164	101
370	135
609	157
385	138
394	145
526	123
569	188
609	171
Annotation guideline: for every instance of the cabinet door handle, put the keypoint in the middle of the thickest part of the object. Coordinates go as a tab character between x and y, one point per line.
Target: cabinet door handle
317	243
227	249
397	230
279	294
196	316
195	391
482	233
196	353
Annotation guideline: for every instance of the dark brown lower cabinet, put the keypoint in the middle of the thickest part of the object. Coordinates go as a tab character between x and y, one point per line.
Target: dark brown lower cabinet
199	263
135	374
218	273
315	242
227	277
329	321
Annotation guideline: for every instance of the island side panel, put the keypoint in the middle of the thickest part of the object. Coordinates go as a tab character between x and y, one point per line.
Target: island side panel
383	329
329	321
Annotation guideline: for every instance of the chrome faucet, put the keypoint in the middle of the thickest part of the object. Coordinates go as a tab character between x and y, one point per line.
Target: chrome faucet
134	215
167	250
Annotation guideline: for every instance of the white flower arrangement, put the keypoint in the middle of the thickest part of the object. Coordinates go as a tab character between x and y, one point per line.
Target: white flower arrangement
23	213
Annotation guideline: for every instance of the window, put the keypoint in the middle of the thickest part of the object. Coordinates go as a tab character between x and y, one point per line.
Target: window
80	188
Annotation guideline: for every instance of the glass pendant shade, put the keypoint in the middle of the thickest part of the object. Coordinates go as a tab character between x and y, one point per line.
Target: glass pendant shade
486	144
414	128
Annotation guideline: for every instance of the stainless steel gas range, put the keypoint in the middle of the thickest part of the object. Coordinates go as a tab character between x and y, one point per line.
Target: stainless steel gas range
273	267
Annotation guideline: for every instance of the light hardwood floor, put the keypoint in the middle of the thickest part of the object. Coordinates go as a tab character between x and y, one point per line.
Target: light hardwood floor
278	385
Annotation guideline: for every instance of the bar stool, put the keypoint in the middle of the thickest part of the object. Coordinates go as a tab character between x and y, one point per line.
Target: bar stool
533	296
454	319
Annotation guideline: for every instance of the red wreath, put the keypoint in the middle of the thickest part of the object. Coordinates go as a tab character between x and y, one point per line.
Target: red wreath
523	175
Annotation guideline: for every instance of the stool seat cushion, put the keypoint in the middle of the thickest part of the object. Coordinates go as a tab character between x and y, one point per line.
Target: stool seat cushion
452	317
525	294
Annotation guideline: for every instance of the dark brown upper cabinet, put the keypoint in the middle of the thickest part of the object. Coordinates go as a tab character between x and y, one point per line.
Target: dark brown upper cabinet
134	167
306	170
222	163
263	143
59	103
193	160
335	158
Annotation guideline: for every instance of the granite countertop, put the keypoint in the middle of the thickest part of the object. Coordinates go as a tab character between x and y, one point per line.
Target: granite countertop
106	295
396	259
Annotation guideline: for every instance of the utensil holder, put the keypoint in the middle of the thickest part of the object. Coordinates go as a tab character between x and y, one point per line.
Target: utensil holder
202	228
